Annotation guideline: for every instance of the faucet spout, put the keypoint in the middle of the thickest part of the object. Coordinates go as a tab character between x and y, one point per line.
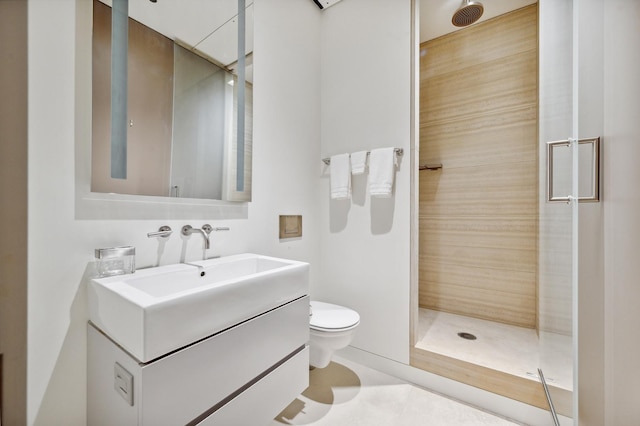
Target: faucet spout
205	231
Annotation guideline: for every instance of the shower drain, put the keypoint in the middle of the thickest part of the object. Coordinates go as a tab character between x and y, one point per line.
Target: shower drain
467	336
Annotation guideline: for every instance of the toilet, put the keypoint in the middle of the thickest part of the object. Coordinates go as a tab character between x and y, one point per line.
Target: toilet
331	327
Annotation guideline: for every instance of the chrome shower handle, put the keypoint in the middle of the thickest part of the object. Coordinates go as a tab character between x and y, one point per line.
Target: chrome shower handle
430	166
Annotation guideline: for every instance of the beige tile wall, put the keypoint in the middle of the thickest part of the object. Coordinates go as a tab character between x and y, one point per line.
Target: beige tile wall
479	213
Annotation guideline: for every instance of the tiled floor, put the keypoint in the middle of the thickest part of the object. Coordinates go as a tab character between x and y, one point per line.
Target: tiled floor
349	394
507	348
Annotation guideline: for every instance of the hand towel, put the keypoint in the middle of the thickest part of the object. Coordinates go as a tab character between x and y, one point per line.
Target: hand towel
381	172
358	162
340	169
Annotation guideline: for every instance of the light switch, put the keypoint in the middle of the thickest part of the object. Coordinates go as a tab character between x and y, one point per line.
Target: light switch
123	383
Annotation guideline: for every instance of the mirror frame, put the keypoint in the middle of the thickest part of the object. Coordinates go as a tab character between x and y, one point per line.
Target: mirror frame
104	206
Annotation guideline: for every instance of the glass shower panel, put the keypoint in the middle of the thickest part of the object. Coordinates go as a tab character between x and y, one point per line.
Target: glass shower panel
557	220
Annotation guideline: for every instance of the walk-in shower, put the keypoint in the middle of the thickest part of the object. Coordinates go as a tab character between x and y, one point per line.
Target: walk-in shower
494	298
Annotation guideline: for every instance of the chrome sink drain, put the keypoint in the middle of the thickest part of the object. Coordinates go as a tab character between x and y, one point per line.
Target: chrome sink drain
467	336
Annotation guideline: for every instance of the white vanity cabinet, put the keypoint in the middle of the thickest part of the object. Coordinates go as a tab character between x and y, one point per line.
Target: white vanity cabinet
244	375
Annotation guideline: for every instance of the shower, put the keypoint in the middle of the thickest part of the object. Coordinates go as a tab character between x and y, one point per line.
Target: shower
488	264
468	13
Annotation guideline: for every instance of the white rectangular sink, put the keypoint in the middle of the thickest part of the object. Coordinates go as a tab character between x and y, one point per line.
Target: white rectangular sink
158	310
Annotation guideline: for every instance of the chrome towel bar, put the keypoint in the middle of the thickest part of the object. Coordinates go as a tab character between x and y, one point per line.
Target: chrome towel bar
398	151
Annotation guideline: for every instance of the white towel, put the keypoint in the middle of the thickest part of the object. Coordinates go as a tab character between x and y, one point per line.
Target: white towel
381	172
340	168
358	162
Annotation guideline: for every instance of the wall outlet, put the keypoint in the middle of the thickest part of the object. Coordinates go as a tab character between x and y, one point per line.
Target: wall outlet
123	383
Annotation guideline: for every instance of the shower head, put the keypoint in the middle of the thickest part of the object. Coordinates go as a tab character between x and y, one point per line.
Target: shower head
468	13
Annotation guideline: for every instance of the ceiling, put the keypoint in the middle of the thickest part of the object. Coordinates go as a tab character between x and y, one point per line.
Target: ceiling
209	27
435	15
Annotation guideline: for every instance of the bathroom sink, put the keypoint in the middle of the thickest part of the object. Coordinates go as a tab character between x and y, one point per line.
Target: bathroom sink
158	310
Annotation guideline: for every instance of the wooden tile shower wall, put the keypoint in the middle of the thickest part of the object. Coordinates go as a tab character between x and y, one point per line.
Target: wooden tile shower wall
479	214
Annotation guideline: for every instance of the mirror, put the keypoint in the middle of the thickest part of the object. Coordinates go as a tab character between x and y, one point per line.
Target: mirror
171	116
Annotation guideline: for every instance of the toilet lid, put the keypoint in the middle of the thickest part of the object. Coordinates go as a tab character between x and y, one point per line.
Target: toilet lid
334	317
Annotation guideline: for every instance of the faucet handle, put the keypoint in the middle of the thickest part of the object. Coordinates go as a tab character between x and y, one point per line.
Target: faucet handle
208	228
186	230
163	232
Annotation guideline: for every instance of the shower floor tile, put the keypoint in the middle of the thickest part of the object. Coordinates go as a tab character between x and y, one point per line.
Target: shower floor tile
514	350
349	394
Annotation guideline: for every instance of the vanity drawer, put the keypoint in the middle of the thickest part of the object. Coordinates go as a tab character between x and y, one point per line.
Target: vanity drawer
263	401
182	386
186	385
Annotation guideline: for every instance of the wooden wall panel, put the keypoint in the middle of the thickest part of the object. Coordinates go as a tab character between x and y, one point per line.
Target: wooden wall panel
521	389
479	214
14	140
497	85
481	43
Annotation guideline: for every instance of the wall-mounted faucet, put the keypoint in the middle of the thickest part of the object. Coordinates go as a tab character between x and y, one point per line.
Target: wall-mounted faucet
204	231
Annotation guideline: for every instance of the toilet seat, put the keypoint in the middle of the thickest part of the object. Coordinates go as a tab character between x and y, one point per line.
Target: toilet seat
332	318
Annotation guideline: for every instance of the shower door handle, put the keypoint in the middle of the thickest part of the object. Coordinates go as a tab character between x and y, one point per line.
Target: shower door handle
586	147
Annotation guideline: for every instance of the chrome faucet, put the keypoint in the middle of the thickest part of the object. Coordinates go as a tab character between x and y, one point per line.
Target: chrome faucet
205	231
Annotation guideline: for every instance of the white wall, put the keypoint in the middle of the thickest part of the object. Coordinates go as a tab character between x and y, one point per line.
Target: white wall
590	233
286	152
365	85
621	211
